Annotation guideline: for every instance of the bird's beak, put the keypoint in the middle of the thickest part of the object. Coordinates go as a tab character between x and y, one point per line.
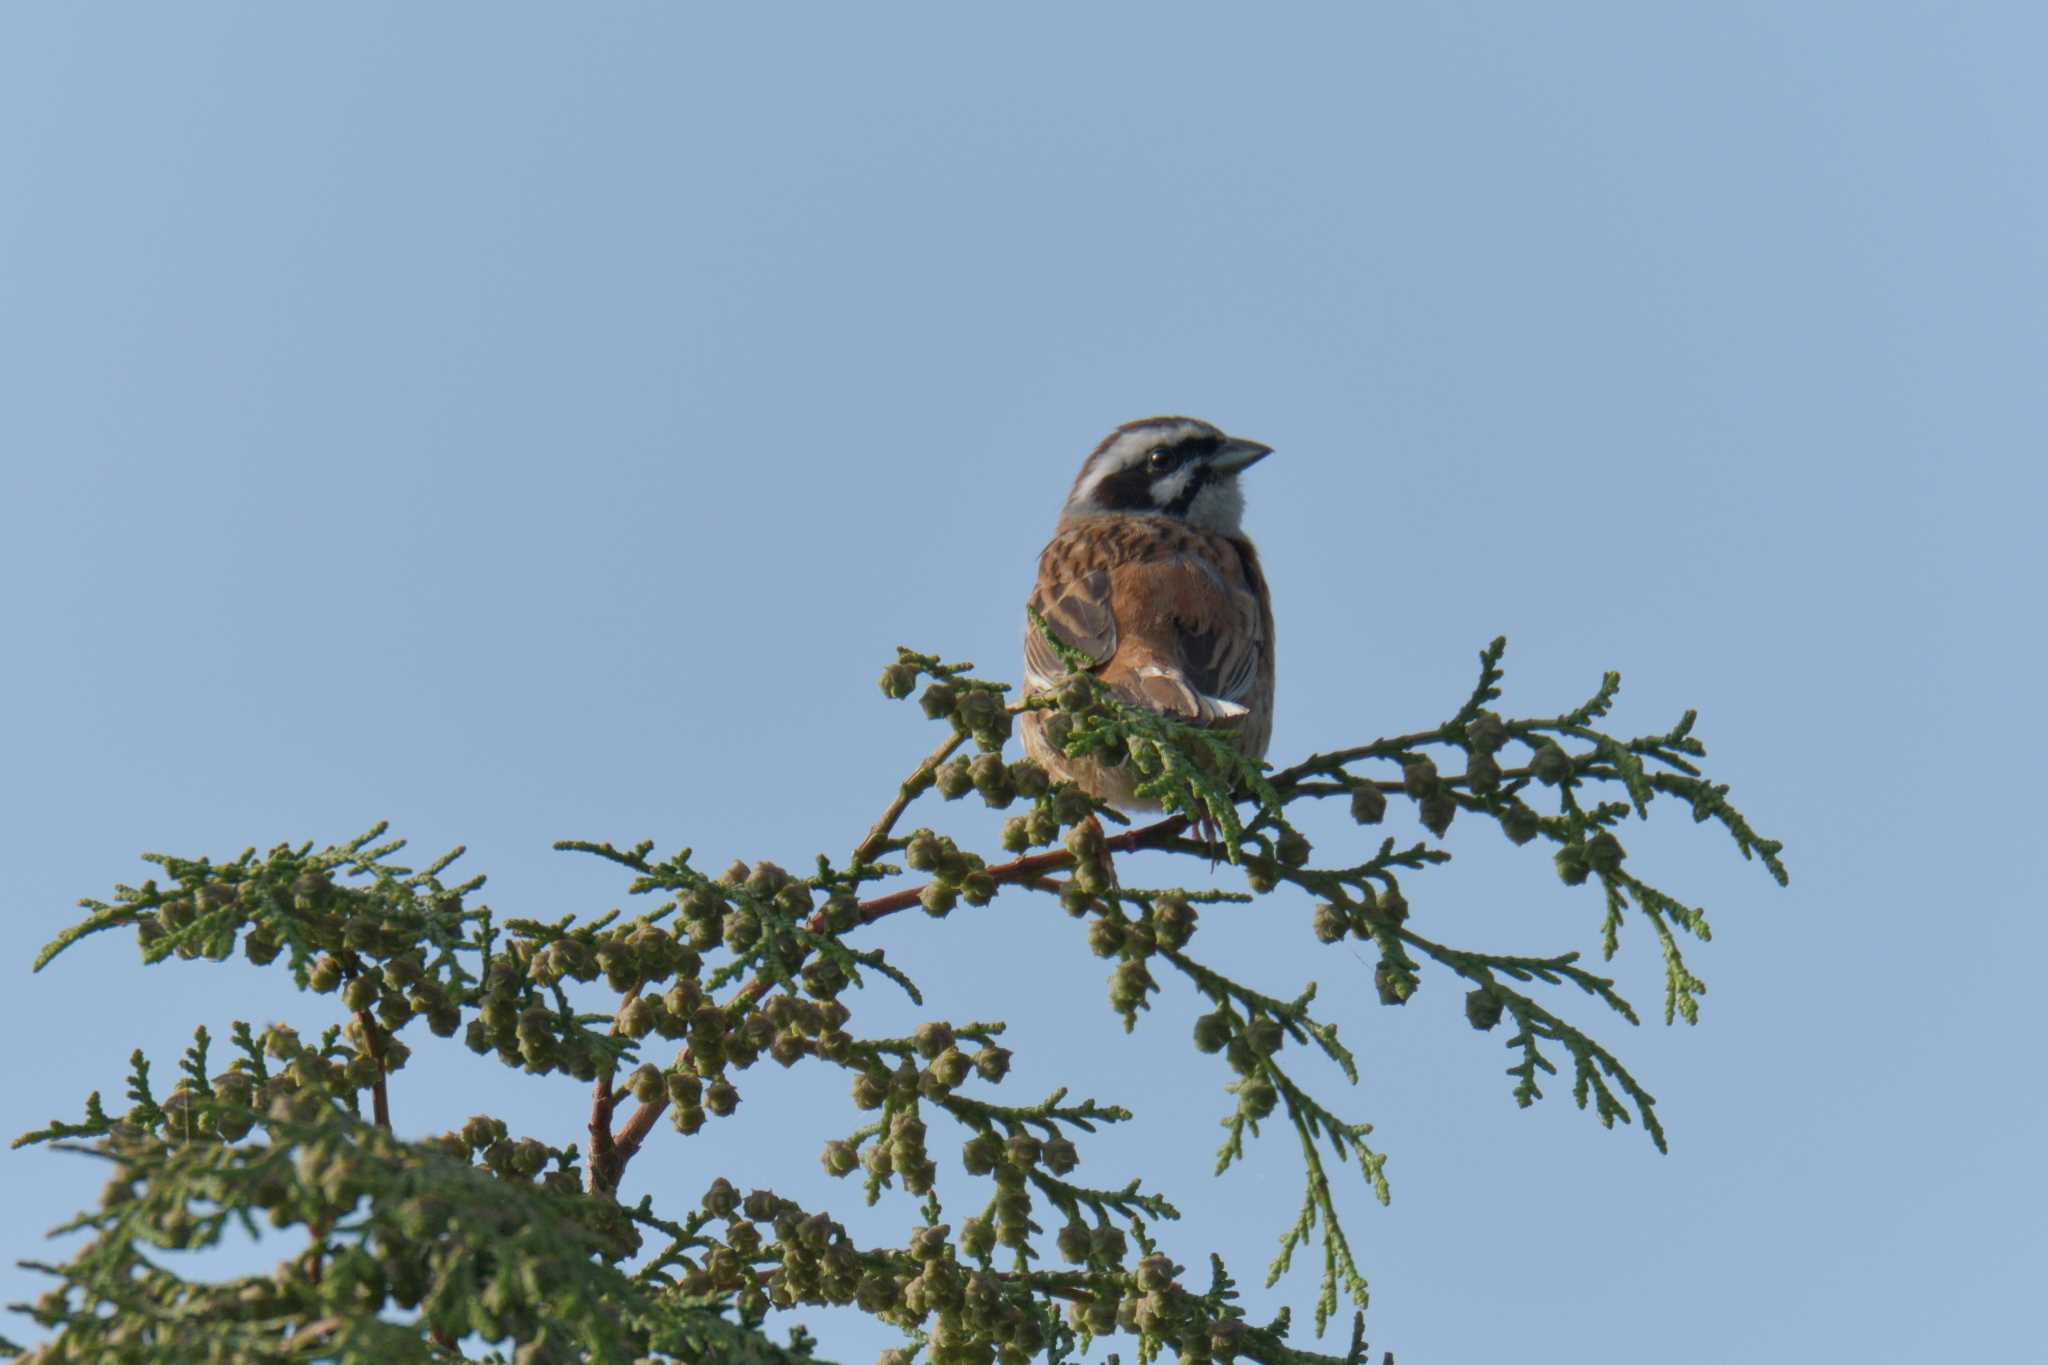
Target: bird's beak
1237	453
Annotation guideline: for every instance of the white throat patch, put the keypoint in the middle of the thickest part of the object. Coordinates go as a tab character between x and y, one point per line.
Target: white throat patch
1219	506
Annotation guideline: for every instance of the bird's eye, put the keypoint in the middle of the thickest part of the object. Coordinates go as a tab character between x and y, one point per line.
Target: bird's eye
1162	459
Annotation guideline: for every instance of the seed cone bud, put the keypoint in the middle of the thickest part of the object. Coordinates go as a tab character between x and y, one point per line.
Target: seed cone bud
898	681
1604	852
1551	765
1419	776
1482	1008
1292	848
1438	809
1330	923
1573	867
1519	823
954	780
1486	733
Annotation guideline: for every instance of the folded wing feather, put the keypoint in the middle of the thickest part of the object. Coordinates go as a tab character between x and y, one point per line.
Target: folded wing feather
1168	634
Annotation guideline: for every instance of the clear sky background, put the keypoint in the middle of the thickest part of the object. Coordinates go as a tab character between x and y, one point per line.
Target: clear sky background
526	422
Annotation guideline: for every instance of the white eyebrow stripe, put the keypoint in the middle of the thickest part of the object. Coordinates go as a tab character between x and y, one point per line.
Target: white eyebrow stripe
1126	450
1092	485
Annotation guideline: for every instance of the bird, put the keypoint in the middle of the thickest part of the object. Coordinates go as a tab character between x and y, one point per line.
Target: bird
1149	574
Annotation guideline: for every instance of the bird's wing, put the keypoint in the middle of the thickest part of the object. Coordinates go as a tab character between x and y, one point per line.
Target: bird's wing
1170	634
1201	638
1078	612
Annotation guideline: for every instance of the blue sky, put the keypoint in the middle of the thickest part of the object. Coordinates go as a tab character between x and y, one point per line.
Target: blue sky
521	423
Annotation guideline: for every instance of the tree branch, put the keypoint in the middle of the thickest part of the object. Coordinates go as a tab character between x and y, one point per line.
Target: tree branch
1026	869
605	1164
622	1145
912	787
380	1099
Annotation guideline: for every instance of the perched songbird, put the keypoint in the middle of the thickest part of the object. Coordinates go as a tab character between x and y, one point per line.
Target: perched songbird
1150	576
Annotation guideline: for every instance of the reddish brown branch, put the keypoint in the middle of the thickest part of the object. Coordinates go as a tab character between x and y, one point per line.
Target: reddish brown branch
912	787
625	1143
373	1042
1025	869
604	1160
619	1147
627	1140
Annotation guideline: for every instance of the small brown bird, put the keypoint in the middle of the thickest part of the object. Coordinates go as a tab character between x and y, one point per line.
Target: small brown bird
1150	575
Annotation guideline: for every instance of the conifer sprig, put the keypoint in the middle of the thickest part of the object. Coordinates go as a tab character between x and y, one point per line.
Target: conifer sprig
401	1247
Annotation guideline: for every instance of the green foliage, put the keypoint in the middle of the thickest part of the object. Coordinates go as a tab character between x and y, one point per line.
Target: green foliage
1185	769
401	1249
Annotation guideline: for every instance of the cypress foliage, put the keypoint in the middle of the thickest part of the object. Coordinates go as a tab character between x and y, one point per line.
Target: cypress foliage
398	1247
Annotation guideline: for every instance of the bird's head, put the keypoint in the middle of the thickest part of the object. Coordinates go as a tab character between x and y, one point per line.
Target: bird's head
1166	467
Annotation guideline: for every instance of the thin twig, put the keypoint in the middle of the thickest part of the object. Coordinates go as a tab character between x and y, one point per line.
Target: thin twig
1026	869
380	1100
1338	758
627	1140
604	1162
912	787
